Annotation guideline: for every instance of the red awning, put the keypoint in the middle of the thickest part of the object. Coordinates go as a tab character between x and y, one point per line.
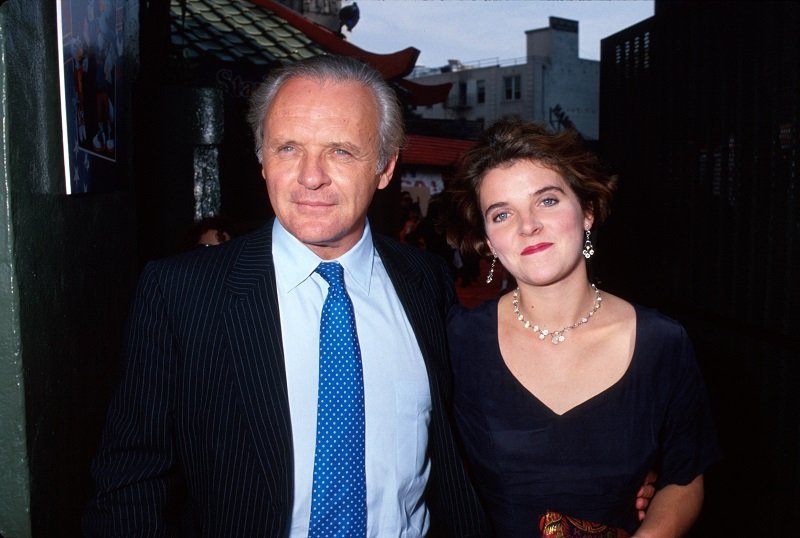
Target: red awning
433	151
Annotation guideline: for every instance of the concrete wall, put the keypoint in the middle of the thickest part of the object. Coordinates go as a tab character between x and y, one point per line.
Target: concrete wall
67	267
574	85
553	75
14	480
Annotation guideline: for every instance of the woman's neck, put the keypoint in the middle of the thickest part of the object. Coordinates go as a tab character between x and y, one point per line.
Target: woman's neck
558	305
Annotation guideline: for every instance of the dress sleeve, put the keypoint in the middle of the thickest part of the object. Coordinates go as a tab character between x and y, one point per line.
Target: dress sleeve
688	438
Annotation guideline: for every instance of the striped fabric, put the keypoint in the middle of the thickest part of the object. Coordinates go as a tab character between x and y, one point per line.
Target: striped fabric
198	437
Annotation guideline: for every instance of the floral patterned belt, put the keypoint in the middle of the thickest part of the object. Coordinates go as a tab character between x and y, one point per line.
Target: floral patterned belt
555	525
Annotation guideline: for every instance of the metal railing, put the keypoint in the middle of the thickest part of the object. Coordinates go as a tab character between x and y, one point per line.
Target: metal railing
455	65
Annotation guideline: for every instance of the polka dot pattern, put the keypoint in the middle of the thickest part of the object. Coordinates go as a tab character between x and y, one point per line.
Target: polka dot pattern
339	496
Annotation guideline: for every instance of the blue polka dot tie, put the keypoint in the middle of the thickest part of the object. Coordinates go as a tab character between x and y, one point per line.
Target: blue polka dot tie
339	496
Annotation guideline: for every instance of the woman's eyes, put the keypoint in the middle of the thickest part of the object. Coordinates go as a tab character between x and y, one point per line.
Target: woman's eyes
500	217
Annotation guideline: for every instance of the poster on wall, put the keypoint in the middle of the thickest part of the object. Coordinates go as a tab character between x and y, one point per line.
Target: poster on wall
90	43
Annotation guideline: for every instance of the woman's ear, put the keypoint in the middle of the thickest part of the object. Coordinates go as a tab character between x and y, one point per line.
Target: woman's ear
588	217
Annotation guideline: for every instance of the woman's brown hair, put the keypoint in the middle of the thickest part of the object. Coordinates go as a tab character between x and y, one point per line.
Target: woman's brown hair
509	141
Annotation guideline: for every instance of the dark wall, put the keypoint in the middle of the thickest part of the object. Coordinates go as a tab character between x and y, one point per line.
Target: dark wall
700	110
177	122
75	260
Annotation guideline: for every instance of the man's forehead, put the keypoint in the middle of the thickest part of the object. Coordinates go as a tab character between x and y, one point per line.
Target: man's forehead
332	111
301	86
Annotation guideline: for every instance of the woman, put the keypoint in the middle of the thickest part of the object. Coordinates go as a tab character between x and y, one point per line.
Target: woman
566	395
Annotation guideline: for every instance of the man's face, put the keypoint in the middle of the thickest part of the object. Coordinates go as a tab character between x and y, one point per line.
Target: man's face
320	156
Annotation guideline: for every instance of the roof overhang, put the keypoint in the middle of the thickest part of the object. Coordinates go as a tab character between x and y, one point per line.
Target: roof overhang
390	66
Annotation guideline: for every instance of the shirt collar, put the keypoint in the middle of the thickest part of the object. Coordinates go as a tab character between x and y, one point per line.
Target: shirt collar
295	262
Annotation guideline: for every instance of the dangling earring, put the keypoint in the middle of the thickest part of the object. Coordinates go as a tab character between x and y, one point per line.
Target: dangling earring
588	248
490	276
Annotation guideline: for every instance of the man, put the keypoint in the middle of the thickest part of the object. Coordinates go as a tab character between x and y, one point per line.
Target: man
213	430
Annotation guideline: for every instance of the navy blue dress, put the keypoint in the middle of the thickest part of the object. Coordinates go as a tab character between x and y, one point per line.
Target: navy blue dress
590	461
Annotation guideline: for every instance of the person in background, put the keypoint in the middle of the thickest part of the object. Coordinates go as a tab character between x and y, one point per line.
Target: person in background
565	394
410	225
210	231
429	234
293	381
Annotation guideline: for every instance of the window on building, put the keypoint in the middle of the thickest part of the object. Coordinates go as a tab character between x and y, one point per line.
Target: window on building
513	86
462	94
480	86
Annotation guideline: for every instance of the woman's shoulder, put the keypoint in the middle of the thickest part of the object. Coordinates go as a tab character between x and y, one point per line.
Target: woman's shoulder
654	334
663	343
649	319
652	322
472	336
462	319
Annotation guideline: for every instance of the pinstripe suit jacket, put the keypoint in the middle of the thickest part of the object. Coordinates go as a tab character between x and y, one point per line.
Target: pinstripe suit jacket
198	438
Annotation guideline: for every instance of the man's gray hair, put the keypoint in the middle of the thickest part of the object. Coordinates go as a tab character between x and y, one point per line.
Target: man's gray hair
339	69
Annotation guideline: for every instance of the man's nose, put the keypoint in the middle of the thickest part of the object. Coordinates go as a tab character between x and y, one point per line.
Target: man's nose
312	172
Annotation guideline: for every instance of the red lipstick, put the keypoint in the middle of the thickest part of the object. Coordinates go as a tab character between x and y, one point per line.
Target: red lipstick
533	249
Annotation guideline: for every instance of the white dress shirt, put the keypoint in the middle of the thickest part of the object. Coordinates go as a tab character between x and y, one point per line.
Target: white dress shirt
397	398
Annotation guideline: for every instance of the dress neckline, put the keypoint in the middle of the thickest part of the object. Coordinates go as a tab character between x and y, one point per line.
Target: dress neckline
589	403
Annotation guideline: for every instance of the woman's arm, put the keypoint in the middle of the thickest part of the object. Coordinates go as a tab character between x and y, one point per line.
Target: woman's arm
672	511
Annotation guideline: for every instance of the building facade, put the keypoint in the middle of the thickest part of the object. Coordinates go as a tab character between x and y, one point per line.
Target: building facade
551	84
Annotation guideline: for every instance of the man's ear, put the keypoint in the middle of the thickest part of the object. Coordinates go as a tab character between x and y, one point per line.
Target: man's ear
388	171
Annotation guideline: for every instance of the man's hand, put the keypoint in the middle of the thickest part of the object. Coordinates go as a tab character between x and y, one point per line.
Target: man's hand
645	493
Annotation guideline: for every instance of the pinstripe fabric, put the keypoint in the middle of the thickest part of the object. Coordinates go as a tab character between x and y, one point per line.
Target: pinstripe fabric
198	438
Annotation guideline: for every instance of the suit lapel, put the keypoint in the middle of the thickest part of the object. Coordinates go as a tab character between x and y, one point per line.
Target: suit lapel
252	322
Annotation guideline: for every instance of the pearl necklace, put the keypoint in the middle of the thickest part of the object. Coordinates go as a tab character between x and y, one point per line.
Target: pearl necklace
556	336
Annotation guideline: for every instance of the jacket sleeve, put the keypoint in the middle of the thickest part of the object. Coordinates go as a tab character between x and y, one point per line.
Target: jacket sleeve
135	470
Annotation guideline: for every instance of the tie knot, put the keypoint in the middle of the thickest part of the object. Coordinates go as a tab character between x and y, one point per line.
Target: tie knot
332	272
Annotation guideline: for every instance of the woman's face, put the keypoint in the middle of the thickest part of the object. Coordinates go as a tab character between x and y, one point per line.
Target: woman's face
534	222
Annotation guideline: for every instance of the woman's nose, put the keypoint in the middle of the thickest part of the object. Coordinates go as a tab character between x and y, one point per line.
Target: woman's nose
530	224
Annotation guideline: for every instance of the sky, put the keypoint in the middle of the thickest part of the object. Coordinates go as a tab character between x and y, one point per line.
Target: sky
472	30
